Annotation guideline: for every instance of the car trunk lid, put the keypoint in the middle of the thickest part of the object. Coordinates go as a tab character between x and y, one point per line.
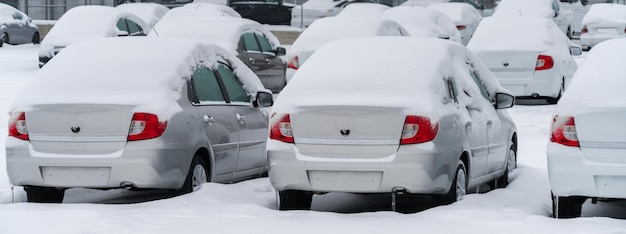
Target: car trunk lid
510	64
601	135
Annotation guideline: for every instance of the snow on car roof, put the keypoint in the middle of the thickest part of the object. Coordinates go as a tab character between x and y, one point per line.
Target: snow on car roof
419	21
541	8
459	12
379	71
421	2
328	29
84	22
145	72
149	12
599	81
363	9
605	12
510	33
196	9
224	31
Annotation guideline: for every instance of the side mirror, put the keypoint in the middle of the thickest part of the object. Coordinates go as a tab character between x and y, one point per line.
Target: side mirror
280	51
264	99
575	50
504	101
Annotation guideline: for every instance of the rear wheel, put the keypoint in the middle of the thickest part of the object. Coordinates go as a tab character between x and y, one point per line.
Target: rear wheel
570	33
458	189
4	39
44	194
567	207
196	176
511	164
294	200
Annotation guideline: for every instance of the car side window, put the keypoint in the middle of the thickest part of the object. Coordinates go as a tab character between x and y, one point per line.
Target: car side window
556	7
483	90
235	91
121	25
134	28
250	42
266	47
17	16
452	91
206	86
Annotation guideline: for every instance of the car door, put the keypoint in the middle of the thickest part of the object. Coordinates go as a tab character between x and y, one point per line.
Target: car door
250	53
218	120
559	19
474	124
252	123
275	67
19	24
497	140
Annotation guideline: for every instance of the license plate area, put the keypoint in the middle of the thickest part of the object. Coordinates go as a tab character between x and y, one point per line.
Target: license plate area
606	30
76	176
345	181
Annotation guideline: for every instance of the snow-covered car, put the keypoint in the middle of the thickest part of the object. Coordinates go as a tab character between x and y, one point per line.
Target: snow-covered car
465	17
250	41
602	22
195	9
264	11
549	9
127	119
363	9
335	28
16	27
588	134
530	56
303	15
149	12
424	22
103	21
432	120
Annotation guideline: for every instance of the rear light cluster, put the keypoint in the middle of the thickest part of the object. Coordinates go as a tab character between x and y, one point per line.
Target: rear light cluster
418	129
17	126
544	62
294	63
564	131
584	30
460	27
145	126
281	128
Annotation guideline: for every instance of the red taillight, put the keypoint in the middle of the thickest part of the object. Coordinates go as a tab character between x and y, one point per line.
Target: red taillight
564	131
145	126
281	129
294	63
584	30
17	126
544	62
418	129
460	27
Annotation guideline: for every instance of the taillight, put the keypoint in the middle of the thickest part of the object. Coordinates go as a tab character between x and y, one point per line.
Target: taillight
584	30
544	62
418	129
281	129
294	63
564	131
145	126
460	27
17	126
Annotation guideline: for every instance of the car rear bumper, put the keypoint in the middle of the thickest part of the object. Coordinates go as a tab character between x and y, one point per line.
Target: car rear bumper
416	169
590	40
571	173
139	164
534	86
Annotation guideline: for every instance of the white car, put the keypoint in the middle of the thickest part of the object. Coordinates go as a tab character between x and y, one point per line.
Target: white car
303	15
150	13
325	30
363	9
530	56
424	22
464	16
196	9
549	9
602	22
398	115
588	135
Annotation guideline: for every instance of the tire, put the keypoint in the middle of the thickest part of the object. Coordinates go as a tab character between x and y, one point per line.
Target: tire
570	33
567	207
555	100
196	176
4	39
458	189
511	164
294	200
36	39
44	194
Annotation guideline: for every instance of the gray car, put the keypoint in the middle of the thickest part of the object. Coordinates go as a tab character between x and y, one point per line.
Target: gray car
16	27
138	122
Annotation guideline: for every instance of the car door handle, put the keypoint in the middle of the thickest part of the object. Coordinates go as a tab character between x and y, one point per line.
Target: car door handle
251	60
241	118
209	119
268	60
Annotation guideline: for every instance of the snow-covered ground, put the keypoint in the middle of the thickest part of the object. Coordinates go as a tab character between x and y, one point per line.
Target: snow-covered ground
249	206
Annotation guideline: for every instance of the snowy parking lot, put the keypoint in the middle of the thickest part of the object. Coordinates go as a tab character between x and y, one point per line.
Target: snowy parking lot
249	206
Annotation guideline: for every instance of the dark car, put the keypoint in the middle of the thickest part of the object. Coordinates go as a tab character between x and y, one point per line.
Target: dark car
263	11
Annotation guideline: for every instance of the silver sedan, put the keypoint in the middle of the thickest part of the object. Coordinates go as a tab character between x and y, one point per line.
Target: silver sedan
16	27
